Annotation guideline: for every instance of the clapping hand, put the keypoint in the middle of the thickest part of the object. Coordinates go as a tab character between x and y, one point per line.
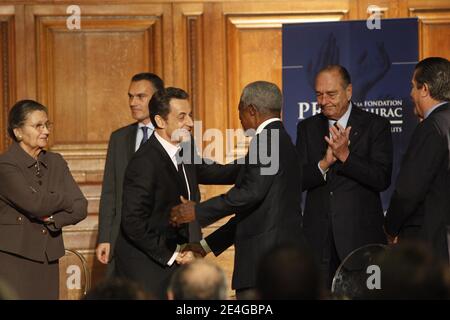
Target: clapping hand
339	142
391	240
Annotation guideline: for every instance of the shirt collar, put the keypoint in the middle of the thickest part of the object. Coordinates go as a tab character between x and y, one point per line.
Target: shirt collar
170	148
265	124
343	121
432	109
149	125
24	158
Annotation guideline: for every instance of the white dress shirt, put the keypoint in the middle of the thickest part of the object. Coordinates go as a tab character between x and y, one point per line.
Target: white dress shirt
265	124
172	151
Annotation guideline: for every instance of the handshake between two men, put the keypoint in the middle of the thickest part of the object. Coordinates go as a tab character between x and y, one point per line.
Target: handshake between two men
185	213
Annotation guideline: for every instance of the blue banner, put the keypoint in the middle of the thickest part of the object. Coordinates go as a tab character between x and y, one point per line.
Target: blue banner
380	62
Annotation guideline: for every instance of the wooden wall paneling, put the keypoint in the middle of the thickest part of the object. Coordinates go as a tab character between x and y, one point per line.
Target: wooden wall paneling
199	60
29	45
189	56
3	85
83	75
7	72
21	54
434	29
214	68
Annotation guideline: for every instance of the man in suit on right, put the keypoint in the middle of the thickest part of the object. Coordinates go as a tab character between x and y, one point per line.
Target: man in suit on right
346	155
420	205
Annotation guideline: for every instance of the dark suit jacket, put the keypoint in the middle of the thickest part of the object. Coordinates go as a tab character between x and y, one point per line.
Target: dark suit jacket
420	204
24	198
349	199
152	187
120	150
267	207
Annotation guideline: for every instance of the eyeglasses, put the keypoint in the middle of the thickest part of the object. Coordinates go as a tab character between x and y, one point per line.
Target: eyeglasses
41	126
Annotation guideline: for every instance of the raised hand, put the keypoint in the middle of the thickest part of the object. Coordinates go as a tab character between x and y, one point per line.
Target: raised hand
182	213
339	142
328	160
391	240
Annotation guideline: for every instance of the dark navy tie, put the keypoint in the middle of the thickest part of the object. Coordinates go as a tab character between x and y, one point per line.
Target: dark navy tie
145	137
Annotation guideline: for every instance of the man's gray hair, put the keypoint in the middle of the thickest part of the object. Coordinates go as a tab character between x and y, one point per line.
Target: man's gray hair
265	96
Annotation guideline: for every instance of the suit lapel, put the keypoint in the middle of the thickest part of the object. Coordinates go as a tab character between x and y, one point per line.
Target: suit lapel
356	123
168	163
131	140
190	173
190	168
321	132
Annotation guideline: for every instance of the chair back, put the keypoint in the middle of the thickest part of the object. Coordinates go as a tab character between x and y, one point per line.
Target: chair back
74	276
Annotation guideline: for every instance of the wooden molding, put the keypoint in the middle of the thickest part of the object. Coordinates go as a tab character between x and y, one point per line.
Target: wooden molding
86	161
434	30
7	72
271	21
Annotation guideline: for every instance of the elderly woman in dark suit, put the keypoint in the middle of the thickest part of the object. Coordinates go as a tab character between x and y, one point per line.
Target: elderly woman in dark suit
38	196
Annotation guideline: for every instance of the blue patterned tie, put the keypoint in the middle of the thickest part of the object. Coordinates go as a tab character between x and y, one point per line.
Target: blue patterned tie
145	138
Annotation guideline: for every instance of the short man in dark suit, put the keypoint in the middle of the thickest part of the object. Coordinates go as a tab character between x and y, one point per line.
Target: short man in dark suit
266	198
346	155
122	145
420	205
147	250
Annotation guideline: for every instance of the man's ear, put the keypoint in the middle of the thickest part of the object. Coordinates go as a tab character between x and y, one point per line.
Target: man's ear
252	110
349	92
160	122
425	90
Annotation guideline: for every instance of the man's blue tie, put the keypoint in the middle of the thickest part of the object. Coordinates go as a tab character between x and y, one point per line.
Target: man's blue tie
145	137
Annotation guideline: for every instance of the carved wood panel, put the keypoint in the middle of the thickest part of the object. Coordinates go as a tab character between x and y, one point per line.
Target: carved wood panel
7	72
83	74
